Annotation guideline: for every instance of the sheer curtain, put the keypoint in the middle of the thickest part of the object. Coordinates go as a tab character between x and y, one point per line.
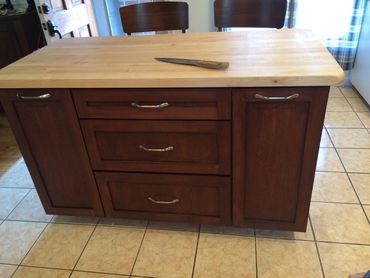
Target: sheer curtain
336	22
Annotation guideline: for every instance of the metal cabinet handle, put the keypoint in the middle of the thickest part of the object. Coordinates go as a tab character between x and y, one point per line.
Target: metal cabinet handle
44	96
167	149
163	202
276	98
155	106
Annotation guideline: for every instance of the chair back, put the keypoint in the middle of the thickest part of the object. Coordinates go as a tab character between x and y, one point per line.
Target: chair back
156	16
250	13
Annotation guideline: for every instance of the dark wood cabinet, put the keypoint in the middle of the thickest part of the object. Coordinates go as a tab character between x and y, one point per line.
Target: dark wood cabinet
185	198
20	35
190	147
189	160
276	135
47	130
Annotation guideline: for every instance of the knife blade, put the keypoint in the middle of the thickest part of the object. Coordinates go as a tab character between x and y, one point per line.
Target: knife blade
196	63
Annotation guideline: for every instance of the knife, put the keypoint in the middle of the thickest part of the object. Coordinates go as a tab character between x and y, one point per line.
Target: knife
196	63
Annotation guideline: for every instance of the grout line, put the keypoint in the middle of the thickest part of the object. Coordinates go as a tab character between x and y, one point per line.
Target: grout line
83	249
29	250
323	171
255	251
138	251
358	117
196	252
317	247
339	203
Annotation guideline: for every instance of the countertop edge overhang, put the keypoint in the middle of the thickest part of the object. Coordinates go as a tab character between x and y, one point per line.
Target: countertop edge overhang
268	58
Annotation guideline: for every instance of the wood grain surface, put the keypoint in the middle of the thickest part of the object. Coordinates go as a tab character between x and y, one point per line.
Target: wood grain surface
269	58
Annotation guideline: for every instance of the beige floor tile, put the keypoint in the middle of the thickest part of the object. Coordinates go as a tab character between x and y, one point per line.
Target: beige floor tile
80	274
340	260
227	230
365	118
59	246
111	250
16	238
75	219
355	160
30	209
166	253
33	272
333	187
328	160
17	176
173	226
342	120
361	182
122	222
338	105
349	92
287	234
6	271
367	211
358	104
221	255
325	140
340	223
287	258
350	138
335	92
9	199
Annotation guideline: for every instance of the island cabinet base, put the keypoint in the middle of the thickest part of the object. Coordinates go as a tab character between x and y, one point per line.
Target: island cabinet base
232	156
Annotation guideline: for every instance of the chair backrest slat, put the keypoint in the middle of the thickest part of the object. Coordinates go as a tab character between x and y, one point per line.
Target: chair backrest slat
156	16
249	13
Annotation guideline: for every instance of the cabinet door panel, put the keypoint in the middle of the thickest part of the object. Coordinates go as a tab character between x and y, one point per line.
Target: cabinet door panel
276	144
51	142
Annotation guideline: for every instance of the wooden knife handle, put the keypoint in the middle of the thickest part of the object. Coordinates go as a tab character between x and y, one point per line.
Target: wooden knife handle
212	64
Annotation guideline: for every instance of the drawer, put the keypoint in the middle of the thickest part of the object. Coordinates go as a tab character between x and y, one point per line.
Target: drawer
200	199
201	147
171	104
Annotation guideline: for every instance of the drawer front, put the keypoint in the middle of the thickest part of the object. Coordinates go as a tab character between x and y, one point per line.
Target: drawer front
202	199
172	104
159	146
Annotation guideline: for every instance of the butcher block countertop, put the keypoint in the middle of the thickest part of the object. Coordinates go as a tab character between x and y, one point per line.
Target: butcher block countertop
258	58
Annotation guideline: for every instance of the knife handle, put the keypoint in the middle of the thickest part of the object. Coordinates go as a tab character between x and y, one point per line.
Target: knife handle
212	64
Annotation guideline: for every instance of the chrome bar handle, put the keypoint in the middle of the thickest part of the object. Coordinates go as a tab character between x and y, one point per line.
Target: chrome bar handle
44	96
155	106
276	98
167	149
163	202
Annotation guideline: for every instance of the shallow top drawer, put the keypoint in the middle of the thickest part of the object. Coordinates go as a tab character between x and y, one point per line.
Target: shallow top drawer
192	104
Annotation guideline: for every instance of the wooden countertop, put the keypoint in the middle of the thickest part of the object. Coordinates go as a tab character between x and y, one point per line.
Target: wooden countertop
257	58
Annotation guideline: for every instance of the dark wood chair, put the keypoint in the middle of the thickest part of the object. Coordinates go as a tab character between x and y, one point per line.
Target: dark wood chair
249	13
156	16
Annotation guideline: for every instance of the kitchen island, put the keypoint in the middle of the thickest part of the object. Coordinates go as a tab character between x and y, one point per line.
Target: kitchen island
108	131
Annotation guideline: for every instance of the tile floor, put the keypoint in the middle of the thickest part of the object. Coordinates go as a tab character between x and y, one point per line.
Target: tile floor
337	241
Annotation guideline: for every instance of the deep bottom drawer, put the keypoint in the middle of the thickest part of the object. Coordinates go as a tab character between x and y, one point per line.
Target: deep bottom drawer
200	199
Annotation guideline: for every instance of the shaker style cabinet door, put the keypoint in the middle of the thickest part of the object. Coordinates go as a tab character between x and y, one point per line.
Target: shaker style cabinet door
47	130
276	137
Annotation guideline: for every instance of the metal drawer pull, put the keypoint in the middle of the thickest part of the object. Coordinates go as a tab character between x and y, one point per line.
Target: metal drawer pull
44	96
163	202
277	98
167	149
155	106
